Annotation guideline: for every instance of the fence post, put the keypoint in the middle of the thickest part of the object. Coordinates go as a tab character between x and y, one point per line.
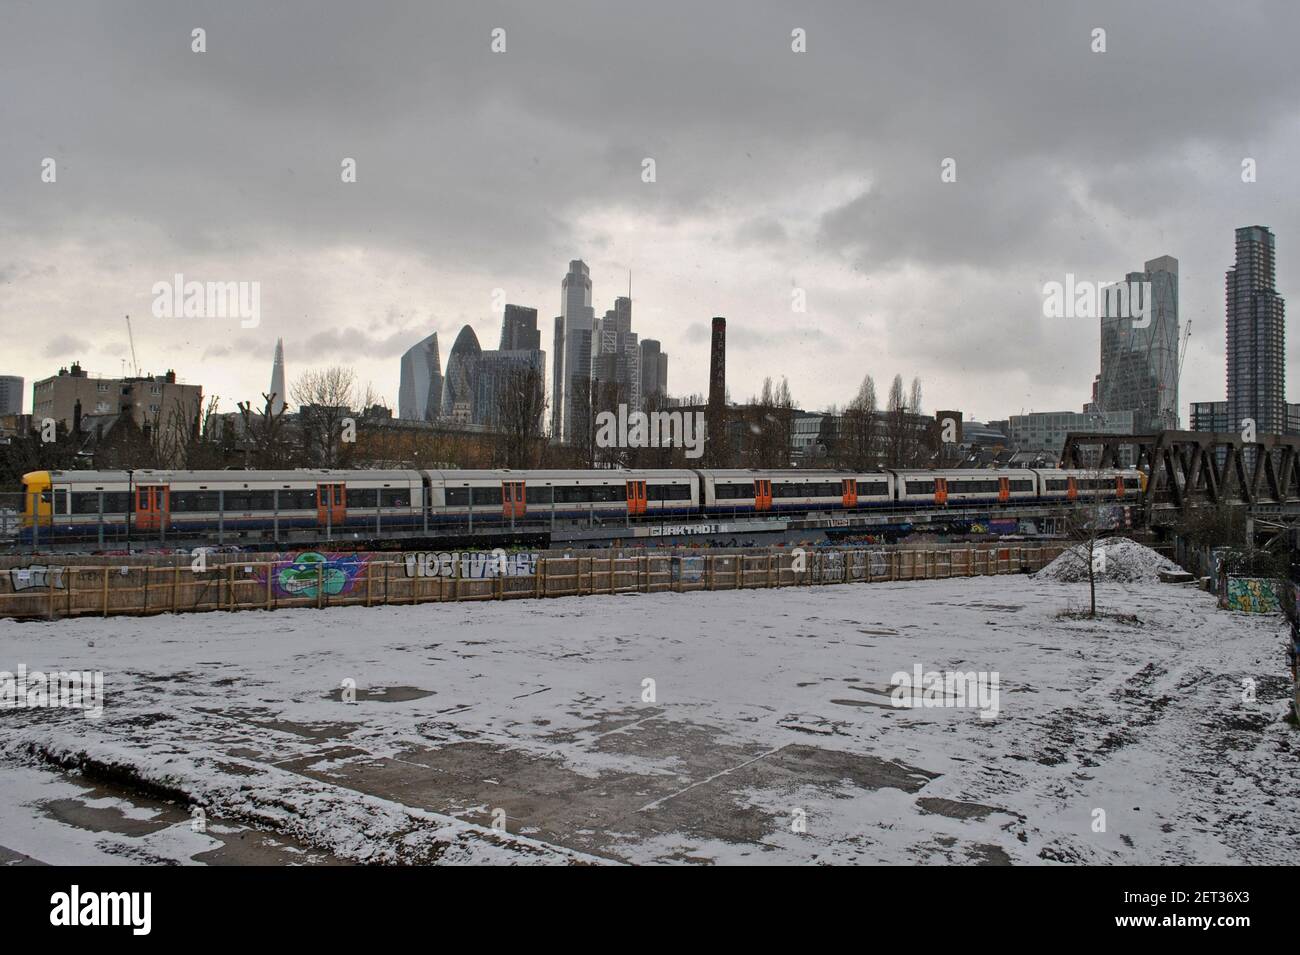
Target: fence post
269	586
320	585
106	590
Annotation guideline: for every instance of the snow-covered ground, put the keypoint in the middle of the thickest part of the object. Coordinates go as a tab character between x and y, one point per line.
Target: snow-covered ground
770	736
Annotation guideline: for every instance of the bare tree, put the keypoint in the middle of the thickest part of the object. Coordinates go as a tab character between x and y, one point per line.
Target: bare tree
325	399
581	434
857	432
520	406
264	440
895	424
770	422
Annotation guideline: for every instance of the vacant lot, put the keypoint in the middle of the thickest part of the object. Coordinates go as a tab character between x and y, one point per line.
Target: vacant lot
767	734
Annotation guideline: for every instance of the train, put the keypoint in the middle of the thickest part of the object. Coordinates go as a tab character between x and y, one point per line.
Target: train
113	505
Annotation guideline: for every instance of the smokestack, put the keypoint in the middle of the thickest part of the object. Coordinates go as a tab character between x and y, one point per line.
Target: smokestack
716	418
718	364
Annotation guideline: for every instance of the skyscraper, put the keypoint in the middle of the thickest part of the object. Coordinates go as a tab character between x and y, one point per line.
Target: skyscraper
419	393
557	379
519	329
11	394
1139	347
277	378
654	369
1256	330
616	356
459	384
579	319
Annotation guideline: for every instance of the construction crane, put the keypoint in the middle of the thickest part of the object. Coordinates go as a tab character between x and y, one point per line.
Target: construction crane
131	338
1182	351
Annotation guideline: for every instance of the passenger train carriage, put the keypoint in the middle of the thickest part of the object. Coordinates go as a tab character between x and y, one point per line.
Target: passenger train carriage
110	505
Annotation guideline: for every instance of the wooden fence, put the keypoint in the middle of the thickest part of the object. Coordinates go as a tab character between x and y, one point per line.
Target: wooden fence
52	591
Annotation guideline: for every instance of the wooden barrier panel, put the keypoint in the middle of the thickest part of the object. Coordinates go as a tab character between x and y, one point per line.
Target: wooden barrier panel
105	589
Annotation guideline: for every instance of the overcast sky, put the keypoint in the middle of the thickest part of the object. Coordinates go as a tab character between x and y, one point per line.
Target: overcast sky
775	170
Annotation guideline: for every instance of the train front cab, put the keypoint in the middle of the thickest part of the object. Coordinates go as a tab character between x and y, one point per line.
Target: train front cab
37	510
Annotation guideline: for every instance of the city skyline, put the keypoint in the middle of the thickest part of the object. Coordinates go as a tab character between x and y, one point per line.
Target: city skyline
837	197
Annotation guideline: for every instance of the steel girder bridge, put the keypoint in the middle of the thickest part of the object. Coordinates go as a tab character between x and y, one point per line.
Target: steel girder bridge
1185	469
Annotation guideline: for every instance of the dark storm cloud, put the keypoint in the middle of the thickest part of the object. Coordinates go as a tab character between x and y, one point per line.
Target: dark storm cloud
472	161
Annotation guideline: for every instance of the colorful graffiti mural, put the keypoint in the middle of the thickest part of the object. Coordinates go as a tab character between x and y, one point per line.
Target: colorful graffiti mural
1251	595
306	573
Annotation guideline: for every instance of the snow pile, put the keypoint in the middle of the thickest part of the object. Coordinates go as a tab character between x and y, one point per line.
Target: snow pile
1114	559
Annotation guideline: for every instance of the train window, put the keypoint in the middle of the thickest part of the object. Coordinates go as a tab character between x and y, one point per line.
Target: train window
400	497
668	492
872	488
60	498
486	496
1057	484
537	495
298	500
607	493
1022	485
363	497
731	492
457	496
191	501
572	495
243	501
87	502
920	487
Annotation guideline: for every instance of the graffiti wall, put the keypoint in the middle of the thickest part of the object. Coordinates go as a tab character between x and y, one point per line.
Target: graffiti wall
304	573
470	565
36	577
1251	595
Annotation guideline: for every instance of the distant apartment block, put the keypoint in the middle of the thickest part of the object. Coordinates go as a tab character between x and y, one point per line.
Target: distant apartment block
152	401
1046	430
1256	335
11	394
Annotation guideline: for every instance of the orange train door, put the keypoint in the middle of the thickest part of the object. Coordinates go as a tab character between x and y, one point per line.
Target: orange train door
331	504
512	499
636	499
1119	485
1004	489
762	495
850	489
941	490
152	506
1071	488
